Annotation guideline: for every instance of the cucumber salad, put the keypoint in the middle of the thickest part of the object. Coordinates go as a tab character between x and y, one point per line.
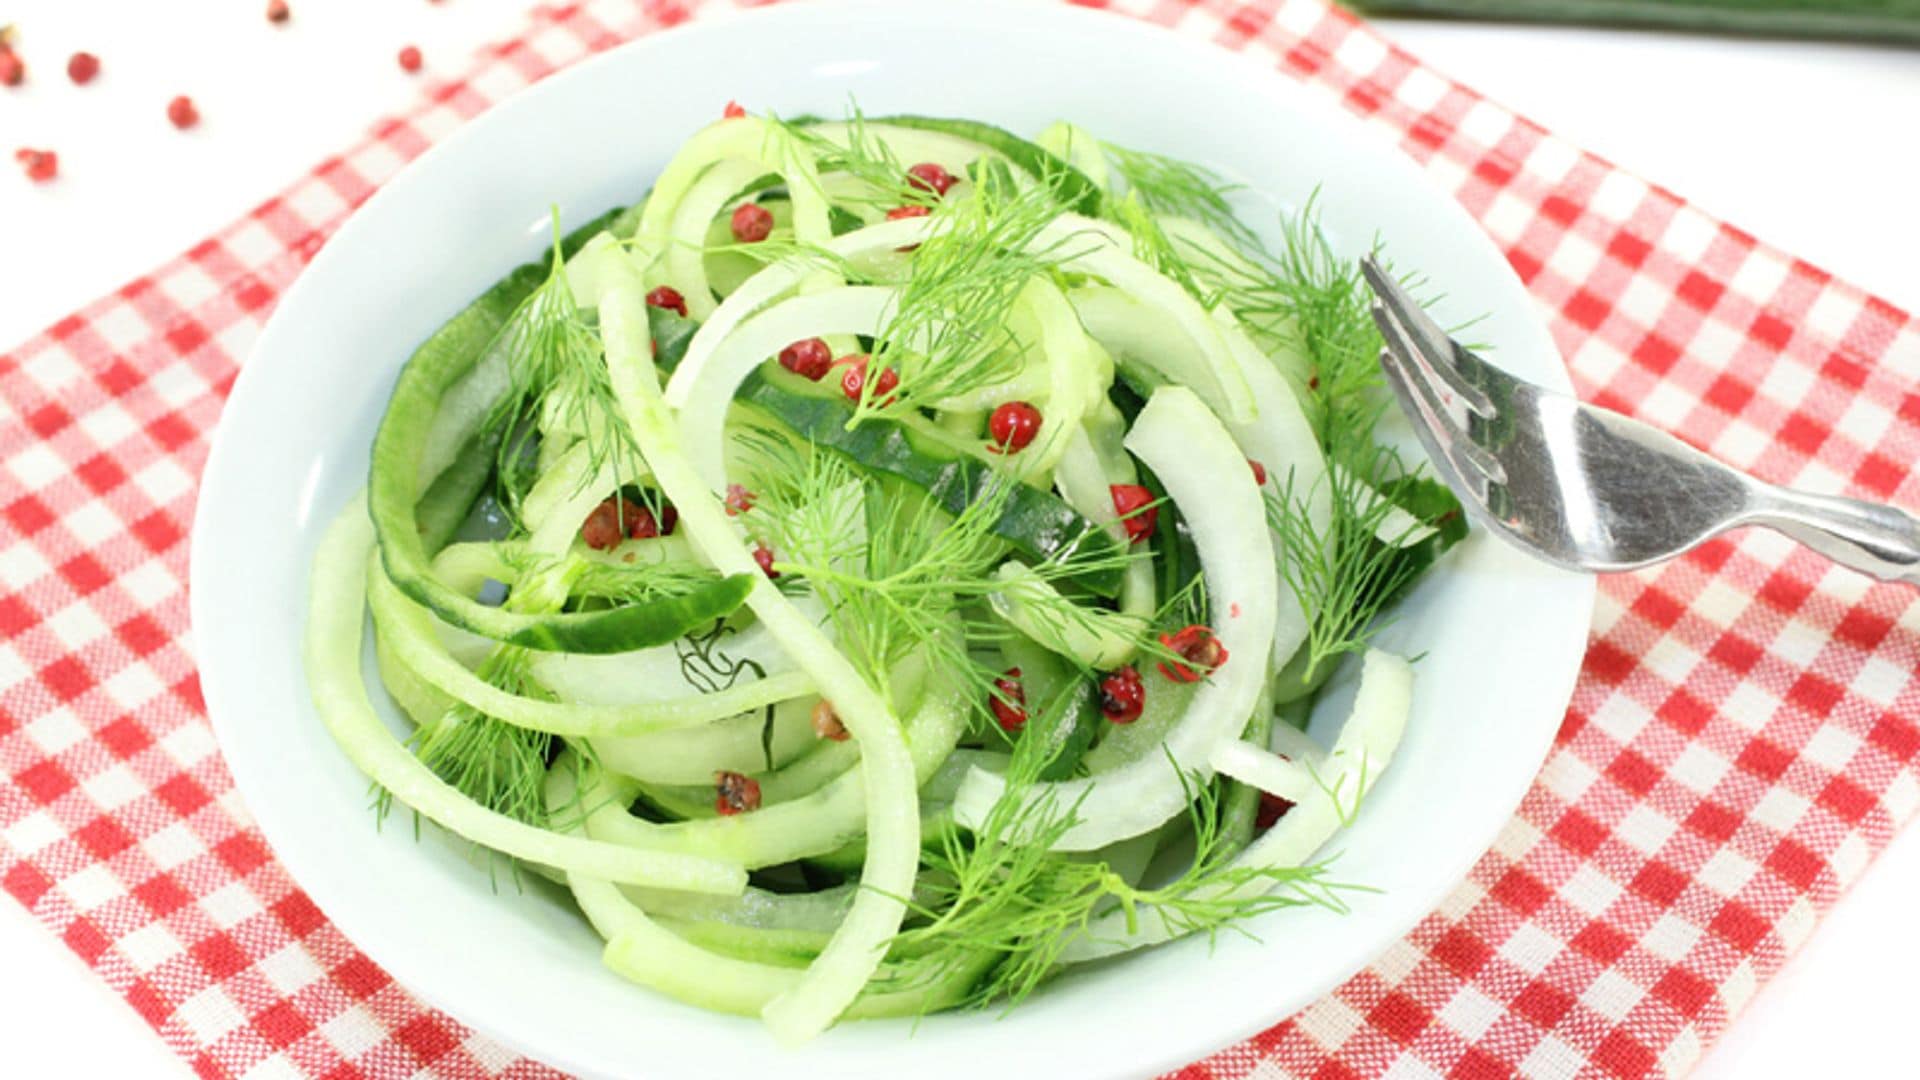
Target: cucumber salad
888	566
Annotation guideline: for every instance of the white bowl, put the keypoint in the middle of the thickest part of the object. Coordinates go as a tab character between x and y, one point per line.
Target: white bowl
1503	636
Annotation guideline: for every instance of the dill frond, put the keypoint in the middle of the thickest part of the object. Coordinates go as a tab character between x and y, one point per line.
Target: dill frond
1152	245
865	156
554	371
949	335
1345	576
896	571
1002	892
546	582
639	583
498	765
1176	188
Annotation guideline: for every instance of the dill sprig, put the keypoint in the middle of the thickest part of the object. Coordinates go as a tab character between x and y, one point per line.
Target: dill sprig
503	766
1152	245
1344	575
554	372
894	569
776	249
1176	188
496	764
883	559
1299	298
863	155
560	577
1299	295
638	583
1002	892
948	335
1321	303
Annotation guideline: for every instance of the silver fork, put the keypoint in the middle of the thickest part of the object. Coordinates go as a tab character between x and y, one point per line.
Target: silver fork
1589	489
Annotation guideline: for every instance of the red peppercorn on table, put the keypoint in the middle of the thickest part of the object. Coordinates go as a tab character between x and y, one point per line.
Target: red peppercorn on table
1742	741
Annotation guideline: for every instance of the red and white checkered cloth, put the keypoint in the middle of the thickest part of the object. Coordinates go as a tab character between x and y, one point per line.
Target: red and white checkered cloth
1742	741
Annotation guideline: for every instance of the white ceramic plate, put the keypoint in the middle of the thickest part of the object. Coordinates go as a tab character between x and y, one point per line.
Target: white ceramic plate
1503	636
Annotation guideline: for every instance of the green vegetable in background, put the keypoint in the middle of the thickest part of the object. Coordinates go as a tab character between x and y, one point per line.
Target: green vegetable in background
1882	21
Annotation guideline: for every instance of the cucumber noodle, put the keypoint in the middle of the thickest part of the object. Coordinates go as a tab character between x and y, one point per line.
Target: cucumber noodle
898	640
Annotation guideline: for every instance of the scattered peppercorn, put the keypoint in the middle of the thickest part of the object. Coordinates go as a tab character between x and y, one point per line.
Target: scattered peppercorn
738	501
410	60
763	557
668	297
1259	472
826	722
277	11
751	223
735	793
39	165
601	531
616	519
1272	808
808	358
1012	426
1137	513
1202	652
733	111
909	211
1009	701
1123	697
929	176
13	70
82	67
182	113
640	523
853	381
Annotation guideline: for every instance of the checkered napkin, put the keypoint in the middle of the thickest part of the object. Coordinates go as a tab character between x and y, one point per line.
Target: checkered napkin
1742	741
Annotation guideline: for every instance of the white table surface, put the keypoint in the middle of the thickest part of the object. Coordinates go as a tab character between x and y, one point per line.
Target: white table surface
1774	137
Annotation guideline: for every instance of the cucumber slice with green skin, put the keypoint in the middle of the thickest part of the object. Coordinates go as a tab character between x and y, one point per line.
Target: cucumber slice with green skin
1174	553
936	824
332	656
1098	639
447	501
776	948
1240	805
1077	147
1061	707
394	489
671	336
650	954
747	743
820	911
478	377
408	631
1035	523
781	832
1076	192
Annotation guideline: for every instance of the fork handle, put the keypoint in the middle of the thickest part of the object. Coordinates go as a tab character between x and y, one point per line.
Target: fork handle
1869	537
